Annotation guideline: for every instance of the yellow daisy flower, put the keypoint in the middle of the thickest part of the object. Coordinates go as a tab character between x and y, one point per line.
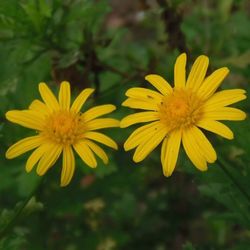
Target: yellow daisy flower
178	114
60	129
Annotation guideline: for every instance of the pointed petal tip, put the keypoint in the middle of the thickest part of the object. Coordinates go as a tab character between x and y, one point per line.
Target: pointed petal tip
225	70
7	114
94	165
214	160
10	113
117	123
65	82
167	173
39	173
106	161
64	184
242	116
243	97
149	76
127	91
184	55
8	155
28	170
112	107
204	57
136	159
124	103
123	124
231	137
203	169
41	85
91	90
126	148
114	146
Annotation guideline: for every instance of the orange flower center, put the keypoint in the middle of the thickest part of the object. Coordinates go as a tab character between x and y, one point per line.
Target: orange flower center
64	127
180	109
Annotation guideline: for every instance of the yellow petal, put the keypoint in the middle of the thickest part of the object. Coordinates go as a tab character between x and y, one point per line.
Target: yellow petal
68	167
142	138
144	94
144	149
160	84
180	71
26	118
205	146
98	151
102	123
163	150
97	111
172	147
99	137
140	134
192	150
197	73
49	158
35	157
217	128
48	97
212	82
224	98
85	153
64	95
24	146
81	99
139	104
139	117
39	106
225	113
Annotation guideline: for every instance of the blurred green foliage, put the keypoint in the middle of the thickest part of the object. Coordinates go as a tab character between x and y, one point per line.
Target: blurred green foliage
112	45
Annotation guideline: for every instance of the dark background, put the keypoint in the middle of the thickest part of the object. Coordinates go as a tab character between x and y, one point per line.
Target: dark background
111	46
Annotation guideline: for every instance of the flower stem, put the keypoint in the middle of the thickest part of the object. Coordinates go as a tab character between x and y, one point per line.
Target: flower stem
223	166
12	222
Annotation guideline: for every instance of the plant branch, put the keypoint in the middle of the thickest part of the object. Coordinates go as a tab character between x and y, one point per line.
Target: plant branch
172	21
224	168
114	70
19	211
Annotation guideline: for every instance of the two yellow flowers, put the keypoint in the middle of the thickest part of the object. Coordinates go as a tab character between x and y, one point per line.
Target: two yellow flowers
174	116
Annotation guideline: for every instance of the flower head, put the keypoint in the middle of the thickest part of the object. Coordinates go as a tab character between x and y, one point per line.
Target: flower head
178	114
60	128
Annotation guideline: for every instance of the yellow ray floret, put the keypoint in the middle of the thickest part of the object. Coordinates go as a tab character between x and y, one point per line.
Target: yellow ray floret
176	115
61	128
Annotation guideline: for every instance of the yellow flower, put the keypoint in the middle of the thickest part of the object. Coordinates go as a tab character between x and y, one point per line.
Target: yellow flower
178	114
61	127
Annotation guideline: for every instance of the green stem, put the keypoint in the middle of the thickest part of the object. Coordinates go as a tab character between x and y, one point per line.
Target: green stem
19	211
223	166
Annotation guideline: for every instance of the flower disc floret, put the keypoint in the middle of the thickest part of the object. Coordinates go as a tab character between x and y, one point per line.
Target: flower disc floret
64	127
180	109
